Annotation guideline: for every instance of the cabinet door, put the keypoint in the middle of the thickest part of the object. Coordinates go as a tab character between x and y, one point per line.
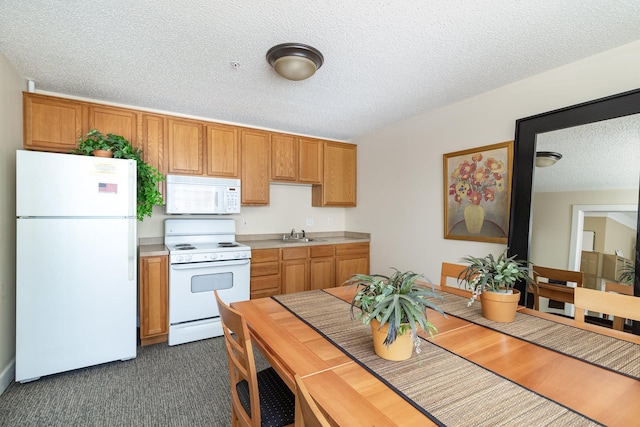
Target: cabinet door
310	159
185	147
152	141
295	276
351	258
255	147
51	124
322	273
339	177
118	121
284	157
154	300
348	265
223	151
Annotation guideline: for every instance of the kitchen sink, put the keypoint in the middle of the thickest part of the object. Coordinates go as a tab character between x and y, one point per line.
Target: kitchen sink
301	240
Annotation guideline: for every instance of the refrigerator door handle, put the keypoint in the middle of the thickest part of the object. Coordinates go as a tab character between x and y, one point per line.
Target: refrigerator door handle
132	249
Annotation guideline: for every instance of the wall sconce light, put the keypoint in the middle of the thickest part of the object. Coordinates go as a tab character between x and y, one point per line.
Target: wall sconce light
547	158
295	61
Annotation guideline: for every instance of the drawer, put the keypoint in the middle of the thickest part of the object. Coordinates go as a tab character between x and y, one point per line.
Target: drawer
265	255
295	253
352	248
265	268
264	283
321	251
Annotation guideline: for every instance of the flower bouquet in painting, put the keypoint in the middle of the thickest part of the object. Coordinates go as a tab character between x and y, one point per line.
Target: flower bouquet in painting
477	193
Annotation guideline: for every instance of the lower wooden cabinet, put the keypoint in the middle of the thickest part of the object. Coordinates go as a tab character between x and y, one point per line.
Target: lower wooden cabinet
322	266
301	268
351	258
295	269
265	272
154	299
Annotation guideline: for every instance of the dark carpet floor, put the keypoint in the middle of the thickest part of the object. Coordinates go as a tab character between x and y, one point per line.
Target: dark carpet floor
184	385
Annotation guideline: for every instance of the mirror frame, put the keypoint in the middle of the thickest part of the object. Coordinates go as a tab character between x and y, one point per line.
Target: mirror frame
527	129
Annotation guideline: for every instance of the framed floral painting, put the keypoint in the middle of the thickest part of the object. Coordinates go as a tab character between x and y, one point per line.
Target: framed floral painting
477	193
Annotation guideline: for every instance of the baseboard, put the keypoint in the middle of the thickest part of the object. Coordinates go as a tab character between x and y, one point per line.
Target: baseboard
7	375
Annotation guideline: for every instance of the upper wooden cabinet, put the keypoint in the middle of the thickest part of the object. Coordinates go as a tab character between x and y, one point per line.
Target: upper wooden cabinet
223	151
181	146
284	157
256	162
338	186
295	159
50	123
310	159
115	120
185	146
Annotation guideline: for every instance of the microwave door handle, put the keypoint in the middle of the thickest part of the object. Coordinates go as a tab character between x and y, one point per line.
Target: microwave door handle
209	264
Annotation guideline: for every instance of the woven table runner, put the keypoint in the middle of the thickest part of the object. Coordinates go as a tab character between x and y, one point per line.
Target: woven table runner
601	350
447	388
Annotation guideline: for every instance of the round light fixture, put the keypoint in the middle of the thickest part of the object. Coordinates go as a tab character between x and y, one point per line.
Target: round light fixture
295	61
547	158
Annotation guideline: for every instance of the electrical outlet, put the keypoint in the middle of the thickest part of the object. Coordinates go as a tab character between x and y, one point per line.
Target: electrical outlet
329	221
309	222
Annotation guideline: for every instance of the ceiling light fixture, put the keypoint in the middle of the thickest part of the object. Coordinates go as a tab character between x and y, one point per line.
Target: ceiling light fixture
295	61
547	158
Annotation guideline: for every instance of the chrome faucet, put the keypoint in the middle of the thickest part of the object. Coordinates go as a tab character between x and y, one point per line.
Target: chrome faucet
293	230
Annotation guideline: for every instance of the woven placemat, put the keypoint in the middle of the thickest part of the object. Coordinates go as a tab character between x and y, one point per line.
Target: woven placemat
601	350
447	388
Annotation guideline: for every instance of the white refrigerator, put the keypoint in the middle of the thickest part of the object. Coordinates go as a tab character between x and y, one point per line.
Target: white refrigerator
76	285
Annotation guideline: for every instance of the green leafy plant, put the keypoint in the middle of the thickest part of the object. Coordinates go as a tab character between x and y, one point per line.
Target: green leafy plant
627	273
92	141
148	177
399	300
493	274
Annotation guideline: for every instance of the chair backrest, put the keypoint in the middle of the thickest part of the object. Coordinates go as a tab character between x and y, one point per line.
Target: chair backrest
553	291
619	288
451	271
308	413
241	364
624	306
558	274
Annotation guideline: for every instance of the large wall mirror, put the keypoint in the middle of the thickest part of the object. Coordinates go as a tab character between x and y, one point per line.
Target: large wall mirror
551	128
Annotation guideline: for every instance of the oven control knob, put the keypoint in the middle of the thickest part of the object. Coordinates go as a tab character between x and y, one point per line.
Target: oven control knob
179	258
187	258
213	256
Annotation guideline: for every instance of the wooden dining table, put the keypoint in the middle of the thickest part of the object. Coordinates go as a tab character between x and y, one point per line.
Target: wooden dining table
351	395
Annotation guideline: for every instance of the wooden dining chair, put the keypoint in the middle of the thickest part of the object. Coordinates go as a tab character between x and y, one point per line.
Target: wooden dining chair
554	291
308	413
620	288
257	398
450	271
624	306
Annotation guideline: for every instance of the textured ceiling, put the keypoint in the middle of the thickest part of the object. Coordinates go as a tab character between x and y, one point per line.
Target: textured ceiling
385	61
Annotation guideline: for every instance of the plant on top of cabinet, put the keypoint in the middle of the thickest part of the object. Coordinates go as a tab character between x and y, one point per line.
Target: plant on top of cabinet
148	194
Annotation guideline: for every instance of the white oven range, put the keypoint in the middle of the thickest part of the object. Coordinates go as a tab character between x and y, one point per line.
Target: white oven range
203	257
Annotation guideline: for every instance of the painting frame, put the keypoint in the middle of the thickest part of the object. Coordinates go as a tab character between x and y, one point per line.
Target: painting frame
481	178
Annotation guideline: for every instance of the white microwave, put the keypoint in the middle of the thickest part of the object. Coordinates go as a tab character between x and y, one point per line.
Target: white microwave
199	195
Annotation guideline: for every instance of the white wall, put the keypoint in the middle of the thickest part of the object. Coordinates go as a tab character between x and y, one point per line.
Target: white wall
551	229
11	87
400	183
290	207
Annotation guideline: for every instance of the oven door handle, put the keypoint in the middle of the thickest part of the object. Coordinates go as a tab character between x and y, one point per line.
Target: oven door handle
209	264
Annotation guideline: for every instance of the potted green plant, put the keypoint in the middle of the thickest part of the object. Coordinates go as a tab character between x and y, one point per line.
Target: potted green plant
95	144
395	307
494	279
627	273
148	177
